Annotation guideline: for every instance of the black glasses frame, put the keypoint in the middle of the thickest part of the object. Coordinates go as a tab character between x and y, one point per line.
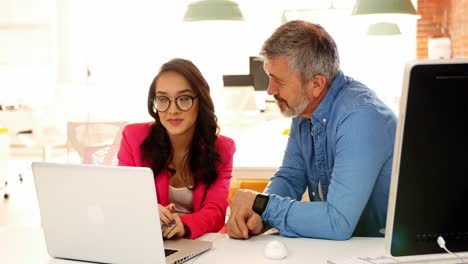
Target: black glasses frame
176	100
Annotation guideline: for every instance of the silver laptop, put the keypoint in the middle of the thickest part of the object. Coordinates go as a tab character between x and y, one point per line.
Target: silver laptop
105	214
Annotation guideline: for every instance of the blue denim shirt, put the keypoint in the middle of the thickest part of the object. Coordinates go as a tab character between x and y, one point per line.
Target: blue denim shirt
347	146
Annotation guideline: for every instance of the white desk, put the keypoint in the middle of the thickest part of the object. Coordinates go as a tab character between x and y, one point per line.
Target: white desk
300	250
26	245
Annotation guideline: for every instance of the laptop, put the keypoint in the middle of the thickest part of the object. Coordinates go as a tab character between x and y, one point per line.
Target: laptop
106	214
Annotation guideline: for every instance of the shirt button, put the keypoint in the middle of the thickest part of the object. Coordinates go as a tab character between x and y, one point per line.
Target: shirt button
324	120
313	194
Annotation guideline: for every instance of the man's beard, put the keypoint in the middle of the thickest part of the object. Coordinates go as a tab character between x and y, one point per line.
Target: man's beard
292	111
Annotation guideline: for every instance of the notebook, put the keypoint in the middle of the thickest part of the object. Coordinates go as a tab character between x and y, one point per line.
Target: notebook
105	214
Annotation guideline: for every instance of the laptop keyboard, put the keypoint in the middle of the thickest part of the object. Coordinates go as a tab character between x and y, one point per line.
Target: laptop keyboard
169	252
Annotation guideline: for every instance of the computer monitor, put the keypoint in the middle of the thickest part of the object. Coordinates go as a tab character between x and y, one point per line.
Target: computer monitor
238	93
429	184
259	76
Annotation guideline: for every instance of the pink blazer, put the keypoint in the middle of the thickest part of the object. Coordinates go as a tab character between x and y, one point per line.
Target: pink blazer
208	216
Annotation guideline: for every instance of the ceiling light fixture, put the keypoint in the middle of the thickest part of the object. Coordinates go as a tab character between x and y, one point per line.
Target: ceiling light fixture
203	10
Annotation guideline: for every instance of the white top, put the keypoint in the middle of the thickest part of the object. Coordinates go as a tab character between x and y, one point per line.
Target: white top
182	198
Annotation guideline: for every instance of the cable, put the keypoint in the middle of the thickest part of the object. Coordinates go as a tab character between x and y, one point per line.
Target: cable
441	242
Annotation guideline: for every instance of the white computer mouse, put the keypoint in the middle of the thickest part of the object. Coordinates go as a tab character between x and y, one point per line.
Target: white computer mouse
275	250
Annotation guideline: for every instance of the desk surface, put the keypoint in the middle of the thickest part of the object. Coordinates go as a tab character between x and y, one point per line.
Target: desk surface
27	245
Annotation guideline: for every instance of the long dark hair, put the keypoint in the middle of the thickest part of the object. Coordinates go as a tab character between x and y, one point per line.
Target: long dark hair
202	157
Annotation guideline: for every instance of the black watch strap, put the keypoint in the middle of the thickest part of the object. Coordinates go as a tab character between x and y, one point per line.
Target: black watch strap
260	203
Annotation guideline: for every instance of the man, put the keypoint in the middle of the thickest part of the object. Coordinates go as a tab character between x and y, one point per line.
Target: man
340	146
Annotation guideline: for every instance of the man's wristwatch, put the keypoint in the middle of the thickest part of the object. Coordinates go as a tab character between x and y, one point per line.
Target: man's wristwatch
260	203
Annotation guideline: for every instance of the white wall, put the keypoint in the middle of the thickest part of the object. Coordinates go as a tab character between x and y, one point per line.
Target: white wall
123	43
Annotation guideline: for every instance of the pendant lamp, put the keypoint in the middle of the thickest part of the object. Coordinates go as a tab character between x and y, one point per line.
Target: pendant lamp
383	29
368	7
203	10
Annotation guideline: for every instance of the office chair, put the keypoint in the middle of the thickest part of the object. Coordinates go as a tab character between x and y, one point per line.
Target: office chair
95	142
104	155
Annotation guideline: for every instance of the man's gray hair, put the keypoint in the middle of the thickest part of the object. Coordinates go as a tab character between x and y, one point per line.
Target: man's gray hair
309	49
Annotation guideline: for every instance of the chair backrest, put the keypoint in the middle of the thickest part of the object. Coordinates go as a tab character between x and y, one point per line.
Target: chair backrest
101	155
95	142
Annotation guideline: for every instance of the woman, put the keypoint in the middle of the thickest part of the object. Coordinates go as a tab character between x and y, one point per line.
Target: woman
192	164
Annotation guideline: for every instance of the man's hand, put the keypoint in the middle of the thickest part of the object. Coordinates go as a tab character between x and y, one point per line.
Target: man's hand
242	198
243	221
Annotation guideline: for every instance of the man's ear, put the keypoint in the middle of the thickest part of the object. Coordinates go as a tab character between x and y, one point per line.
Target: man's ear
319	84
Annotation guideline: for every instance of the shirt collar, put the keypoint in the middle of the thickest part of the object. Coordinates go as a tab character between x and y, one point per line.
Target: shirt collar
322	112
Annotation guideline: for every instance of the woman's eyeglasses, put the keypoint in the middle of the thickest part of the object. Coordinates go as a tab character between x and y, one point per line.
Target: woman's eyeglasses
183	102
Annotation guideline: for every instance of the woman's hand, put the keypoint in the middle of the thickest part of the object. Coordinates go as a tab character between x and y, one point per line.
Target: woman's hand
177	230
166	217
171	225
